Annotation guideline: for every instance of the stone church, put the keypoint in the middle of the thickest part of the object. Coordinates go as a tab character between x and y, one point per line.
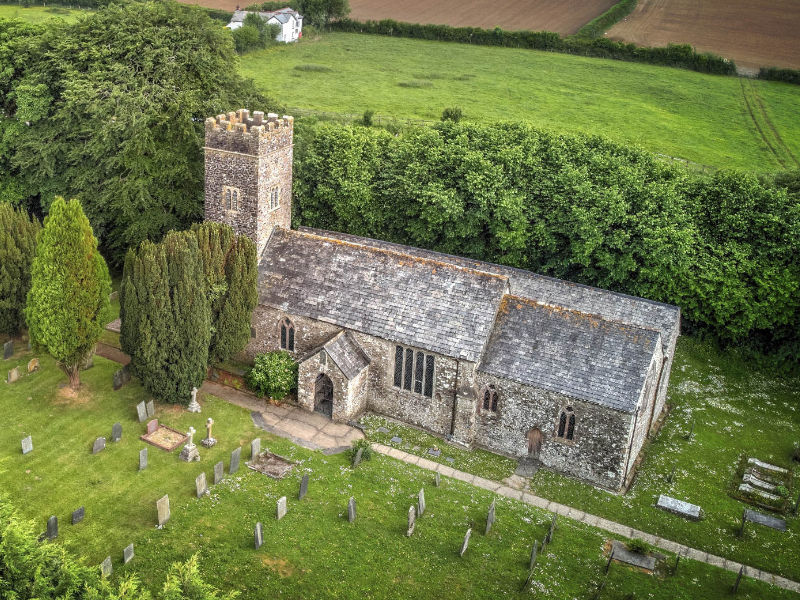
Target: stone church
563	375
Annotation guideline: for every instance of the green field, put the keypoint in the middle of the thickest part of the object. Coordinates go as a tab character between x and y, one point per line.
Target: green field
37	14
711	120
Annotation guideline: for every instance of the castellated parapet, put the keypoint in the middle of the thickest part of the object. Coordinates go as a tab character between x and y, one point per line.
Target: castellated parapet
248	172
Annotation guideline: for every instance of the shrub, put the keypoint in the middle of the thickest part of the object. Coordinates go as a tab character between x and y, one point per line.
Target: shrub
273	375
454	114
366	120
366	449
782	491
639	546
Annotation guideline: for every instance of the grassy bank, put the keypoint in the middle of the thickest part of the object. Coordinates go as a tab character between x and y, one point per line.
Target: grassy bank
38	14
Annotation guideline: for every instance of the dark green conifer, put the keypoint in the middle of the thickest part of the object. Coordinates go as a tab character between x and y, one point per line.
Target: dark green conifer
17	248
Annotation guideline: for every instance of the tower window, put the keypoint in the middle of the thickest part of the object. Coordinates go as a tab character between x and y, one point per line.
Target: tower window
413	371
231	197
274	198
566	424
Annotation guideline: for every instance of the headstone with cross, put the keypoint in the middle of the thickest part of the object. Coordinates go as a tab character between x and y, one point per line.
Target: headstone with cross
194	405
209	440
189	452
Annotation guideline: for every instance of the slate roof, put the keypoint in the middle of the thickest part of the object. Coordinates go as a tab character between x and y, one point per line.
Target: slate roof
569	352
419	302
281	15
345	351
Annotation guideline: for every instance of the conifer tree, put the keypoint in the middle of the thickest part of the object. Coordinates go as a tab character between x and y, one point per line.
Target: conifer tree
67	305
18	234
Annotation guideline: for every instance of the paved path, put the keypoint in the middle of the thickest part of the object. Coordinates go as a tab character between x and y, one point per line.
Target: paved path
579	515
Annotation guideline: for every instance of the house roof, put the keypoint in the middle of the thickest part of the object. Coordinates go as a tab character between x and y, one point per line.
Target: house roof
345	351
283	15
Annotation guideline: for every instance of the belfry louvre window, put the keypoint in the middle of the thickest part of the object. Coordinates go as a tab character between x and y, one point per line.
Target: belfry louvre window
231	197
274	198
413	371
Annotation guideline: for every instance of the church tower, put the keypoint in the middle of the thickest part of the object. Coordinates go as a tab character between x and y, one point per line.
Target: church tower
248	182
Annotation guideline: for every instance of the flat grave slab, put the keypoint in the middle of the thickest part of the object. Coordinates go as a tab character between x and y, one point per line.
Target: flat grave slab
623	555
165	438
679	507
765	520
766	466
271	464
115	326
396	440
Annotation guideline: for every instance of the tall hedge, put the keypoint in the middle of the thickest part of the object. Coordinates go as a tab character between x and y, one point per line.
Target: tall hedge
18	233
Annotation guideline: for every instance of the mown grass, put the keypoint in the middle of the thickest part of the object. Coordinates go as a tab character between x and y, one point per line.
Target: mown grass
38	14
701	118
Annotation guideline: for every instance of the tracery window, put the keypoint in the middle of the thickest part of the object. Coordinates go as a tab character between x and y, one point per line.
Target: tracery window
566	424
489	398
413	371
287	335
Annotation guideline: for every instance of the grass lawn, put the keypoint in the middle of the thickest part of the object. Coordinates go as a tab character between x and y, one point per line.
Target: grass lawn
37	14
680	113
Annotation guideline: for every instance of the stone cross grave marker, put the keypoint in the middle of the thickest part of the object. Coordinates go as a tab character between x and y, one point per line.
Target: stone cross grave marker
33	365
219	472
421	502
99	445
127	554
255	448
194	405
201	485
259	535
281	507
357	459
152	426
437	479
235	456
303	487
8	349
150	408
533	554
490	518
465	545
163	510
142	459
412	520
78	514
116	432
106	568
351	509
189	452
27	445
209	440
141	412
13	375
52	528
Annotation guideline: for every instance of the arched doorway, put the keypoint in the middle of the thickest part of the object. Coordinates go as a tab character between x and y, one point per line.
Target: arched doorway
534	443
323	395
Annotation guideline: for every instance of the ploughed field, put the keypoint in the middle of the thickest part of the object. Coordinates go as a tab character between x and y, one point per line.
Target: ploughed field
754	33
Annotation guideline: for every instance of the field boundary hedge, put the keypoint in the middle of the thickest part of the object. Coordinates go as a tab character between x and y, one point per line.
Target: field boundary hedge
599	25
777	74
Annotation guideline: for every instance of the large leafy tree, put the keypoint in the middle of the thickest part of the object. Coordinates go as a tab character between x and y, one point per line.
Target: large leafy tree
18	233
110	110
67	304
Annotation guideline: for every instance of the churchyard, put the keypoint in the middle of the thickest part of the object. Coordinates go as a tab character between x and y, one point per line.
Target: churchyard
315	551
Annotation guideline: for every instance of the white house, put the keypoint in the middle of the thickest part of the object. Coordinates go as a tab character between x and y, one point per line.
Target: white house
289	20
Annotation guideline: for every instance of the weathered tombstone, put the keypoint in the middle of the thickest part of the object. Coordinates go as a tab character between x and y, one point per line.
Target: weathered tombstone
150	408
533	555
255	448
490	518
235	455
152	426
121	377
382	429
201	485
679	507
762	519
106	568
738	580
33	365
219	472
116	432
127	554
396	440
142	459
163	510
351	509
52	528
99	445
421	502
78	514
303	487
357	458
281	508
552	528
209	440
435	452
141	412
194	405
437	479
27	445
465	544
8	349
259	536
412	520
13	375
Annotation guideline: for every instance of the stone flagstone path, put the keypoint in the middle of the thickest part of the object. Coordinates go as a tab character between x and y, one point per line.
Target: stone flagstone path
579	515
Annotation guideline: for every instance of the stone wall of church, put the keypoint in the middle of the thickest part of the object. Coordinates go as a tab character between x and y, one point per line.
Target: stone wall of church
663	383
596	453
307	376
265	326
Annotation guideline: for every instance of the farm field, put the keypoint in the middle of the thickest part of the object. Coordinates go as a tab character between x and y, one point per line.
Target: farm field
754	33
710	120
37	14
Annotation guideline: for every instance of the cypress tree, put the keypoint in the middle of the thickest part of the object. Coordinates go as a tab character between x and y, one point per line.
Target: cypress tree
18	234
67	305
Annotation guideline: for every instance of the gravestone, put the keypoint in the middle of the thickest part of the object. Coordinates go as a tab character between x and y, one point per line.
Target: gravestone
748	489
189	452
27	445
396	440
33	365
435	452
552	528
534	550
99	445
235	456
412	520
281	507
77	515
142	459
259	536
209	440
219	472
52	528
163	510
437	479
194	405
152	426
466	542
8	349
106	568
116	432
127	554
421	502
490	518
150	407
121	377
13	375
765	520
738	581
141	412
351	509
201	485
255	448
766	466
679	507
303	487
622	554
382	429
357	458
450	459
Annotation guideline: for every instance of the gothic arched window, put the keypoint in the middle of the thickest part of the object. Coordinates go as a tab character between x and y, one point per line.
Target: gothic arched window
566	424
489	398
287	335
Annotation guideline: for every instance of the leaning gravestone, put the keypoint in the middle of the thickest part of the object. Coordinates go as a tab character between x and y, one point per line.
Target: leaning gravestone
303	487
219	472
52	528
412	520
8	349
99	445
421	502
255	448
235	456
357	459
141	412
351	509
33	365
679	507
127	554
150	407
533	555
77	515
116	432
106	568
27	445
142	459
466	542
13	375
163	510
259	536
490	518
281	507
437	479
121	377
201	485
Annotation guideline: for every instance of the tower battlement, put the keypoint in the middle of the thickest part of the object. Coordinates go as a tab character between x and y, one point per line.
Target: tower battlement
240	132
